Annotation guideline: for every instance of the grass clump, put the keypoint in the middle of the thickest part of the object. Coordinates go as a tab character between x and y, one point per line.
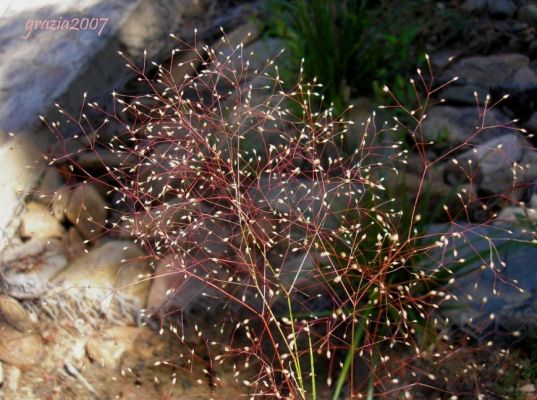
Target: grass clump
285	256
354	47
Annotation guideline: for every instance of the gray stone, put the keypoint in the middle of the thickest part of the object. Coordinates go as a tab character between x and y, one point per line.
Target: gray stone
38	73
531	124
491	165
528	13
59	202
258	131
184	63
300	271
50	183
524	77
533	66
503	8
518	45
321	203
450	126
73	243
513	215
484	73
532	50
254	58
496	285
98	159
245	34
475	6
464	94
158	176
261	52
361	117
177	287
528	166
442	58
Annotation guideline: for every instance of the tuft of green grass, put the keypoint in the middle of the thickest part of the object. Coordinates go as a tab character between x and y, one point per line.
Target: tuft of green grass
347	45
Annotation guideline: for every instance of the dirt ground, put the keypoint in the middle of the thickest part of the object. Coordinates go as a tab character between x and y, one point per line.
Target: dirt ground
121	362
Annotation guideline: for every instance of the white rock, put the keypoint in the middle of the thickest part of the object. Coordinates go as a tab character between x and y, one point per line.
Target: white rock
13	376
20	349
86	210
108	347
28	267
38	222
110	268
12	312
527	388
